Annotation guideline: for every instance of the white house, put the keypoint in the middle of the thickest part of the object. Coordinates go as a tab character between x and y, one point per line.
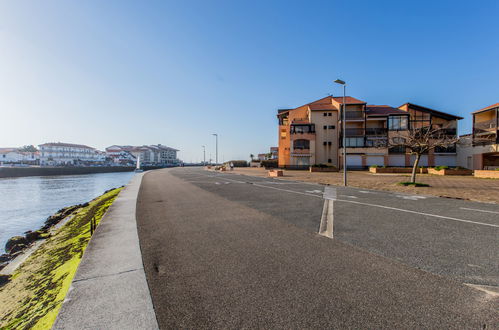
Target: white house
58	153
149	154
15	156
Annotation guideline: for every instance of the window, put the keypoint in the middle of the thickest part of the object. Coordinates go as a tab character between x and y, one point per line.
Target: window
302	128
329	160
329	143
325	126
301	144
397	123
331	127
355	142
325	114
325	143
329	114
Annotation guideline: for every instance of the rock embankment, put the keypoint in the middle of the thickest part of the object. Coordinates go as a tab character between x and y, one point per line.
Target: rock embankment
17	244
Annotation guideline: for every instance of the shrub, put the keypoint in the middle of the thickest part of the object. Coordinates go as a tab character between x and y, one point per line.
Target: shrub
415	184
374	166
443	167
237	163
271	163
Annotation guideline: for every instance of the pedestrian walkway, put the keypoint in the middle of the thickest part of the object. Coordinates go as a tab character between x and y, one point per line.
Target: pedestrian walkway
109	290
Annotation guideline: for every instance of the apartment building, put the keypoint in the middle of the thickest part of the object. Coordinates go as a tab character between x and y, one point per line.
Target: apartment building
58	153
149	154
480	149
312	133
15	156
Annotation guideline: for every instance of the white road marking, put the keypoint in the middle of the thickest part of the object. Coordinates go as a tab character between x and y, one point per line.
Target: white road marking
366	192
421	213
314	191
375	205
414	198
329	193
354	197
466	208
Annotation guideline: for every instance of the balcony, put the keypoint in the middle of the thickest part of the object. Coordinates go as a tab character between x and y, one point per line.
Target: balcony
354	115
302	129
354	132
376	131
485	127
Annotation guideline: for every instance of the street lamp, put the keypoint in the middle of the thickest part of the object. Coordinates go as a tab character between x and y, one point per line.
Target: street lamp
216	148
204	155
341	82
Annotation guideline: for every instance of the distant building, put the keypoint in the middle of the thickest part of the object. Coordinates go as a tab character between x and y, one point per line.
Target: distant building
121	155
149	154
15	156
274	151
262	157
58	153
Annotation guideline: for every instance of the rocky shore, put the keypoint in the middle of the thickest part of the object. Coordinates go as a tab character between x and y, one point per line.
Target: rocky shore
42	264
17	245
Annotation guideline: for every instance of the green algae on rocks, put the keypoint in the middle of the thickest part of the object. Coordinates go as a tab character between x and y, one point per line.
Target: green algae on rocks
34	294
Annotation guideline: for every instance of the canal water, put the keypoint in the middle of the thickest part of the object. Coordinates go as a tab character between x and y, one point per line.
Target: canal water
25	203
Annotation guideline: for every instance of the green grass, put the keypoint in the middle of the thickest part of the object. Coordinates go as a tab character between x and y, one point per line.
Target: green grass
414	184
33	297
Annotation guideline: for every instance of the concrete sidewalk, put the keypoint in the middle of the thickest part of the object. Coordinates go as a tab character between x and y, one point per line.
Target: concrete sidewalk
109	290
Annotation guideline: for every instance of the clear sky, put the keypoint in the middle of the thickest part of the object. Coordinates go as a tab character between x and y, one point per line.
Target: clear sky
174	72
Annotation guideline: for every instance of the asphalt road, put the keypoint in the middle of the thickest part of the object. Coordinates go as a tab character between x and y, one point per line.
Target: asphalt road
227	251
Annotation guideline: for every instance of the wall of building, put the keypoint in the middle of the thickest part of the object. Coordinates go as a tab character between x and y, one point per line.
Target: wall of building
324	153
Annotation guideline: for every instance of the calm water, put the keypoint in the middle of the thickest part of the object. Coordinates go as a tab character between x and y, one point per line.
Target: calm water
25	203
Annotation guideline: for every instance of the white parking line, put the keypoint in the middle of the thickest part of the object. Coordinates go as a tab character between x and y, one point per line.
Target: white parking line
374	205
466	208
422	213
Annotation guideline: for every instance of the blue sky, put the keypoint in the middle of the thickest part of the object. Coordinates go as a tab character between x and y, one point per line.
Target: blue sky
174	72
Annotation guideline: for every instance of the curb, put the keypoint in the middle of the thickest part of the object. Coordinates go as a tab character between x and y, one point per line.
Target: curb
109	290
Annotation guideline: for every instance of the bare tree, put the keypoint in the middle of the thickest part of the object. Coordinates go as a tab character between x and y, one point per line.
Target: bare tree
419	141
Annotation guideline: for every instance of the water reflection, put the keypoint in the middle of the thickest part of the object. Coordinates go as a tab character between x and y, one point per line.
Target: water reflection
25	203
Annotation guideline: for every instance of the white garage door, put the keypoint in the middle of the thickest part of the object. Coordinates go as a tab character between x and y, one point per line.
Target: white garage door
445	160
375	160
423	161
396	160
354	160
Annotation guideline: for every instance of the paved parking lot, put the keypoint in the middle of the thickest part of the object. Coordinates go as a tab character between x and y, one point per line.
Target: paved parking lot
465	187
228	250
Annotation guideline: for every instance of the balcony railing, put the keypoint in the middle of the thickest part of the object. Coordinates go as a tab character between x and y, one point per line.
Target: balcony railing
489	126
354	115
302	129
354	132
376	131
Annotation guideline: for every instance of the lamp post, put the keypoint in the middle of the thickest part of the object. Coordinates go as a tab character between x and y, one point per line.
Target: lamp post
216	148
204	155
341	82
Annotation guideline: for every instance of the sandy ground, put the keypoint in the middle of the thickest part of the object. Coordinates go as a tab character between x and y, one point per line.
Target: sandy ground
463	187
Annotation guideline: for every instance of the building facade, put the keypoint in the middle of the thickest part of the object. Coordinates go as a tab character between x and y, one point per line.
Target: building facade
59	154
15	156
312	134
480	149
156	155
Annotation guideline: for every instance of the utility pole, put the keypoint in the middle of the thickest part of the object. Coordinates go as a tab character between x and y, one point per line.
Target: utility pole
341	82
204	155
216	148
